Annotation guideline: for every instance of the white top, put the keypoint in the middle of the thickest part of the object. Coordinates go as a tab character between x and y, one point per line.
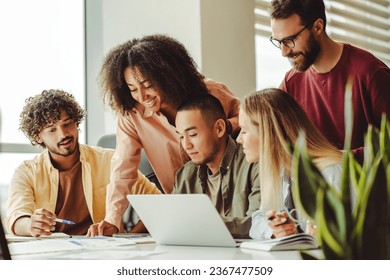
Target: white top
261	230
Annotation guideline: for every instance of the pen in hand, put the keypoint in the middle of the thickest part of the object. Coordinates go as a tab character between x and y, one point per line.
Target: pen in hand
63	221
278	215
273	217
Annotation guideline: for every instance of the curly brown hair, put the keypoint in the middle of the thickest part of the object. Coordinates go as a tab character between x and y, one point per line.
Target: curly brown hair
162	60
46	108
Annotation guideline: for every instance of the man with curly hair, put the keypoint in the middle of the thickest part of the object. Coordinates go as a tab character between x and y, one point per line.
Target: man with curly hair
67	180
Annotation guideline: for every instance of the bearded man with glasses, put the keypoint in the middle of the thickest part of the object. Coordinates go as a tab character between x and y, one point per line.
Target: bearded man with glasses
321	68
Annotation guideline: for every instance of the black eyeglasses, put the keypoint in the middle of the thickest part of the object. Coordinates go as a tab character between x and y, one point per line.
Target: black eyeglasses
289	42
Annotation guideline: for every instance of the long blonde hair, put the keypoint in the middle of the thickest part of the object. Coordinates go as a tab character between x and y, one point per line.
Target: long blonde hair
278	119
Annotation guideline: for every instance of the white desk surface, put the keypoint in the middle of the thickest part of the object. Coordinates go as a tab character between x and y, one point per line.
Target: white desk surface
163	252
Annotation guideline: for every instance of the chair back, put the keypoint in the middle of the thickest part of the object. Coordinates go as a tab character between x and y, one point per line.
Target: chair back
109	141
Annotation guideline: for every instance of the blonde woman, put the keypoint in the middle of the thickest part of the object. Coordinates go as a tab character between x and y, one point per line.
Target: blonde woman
269	120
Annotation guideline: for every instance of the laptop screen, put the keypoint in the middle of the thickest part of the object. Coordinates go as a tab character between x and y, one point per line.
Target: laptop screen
4	251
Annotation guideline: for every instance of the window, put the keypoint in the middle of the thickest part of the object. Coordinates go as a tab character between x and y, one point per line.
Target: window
42	47
362	23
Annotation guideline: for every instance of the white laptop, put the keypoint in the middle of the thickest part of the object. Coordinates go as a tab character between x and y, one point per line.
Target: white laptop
182	219
4	250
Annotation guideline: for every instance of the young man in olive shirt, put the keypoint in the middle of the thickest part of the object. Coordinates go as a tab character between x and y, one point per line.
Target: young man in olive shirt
218	167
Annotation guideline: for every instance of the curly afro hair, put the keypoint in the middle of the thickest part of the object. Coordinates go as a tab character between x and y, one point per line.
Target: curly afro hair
45	108
162	60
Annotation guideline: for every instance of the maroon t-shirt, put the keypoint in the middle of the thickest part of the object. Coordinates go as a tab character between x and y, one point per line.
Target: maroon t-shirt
322	95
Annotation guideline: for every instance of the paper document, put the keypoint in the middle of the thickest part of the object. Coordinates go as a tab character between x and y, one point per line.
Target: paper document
18	238
56	245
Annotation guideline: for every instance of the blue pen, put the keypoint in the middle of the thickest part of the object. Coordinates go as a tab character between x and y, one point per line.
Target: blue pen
63	221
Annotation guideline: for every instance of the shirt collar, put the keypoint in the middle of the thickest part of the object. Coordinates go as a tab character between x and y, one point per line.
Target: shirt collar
49	165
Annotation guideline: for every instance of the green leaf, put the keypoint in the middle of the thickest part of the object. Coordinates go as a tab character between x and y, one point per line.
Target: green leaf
343	209
371	149
329	253
371	146
355	172
307	179
385	139
373	220
388	213
304	188
388	183
361	187
326	225
348	114
336	215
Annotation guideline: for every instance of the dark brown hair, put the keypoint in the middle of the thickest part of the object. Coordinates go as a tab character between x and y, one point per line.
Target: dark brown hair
209	105
162	60
307	10
46	108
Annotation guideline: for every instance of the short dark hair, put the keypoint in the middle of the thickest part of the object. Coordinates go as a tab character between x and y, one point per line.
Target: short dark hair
46	108
307	10
209	105
162	60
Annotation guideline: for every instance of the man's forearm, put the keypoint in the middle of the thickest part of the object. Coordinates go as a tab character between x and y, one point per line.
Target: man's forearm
238	226
22	226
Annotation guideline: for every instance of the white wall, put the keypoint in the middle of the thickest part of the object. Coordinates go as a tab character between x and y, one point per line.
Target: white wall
127	19
228	43
219	34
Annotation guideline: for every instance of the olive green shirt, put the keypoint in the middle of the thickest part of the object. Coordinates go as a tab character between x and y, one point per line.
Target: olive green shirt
240	187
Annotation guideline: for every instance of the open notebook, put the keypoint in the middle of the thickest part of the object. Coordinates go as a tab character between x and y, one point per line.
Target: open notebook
182	219
300	241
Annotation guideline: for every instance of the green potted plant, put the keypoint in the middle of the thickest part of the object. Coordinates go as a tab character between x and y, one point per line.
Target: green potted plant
361	231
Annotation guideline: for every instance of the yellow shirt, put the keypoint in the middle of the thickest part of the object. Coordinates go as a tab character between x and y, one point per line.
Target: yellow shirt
35	184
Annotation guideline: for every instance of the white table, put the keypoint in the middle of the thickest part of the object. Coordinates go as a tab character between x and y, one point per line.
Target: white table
163	252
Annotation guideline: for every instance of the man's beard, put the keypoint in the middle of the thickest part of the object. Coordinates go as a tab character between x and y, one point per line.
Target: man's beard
61	151
308	57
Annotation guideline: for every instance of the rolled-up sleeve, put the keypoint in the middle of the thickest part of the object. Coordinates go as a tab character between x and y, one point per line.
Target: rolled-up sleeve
125	177
260	229
21	201
124	171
